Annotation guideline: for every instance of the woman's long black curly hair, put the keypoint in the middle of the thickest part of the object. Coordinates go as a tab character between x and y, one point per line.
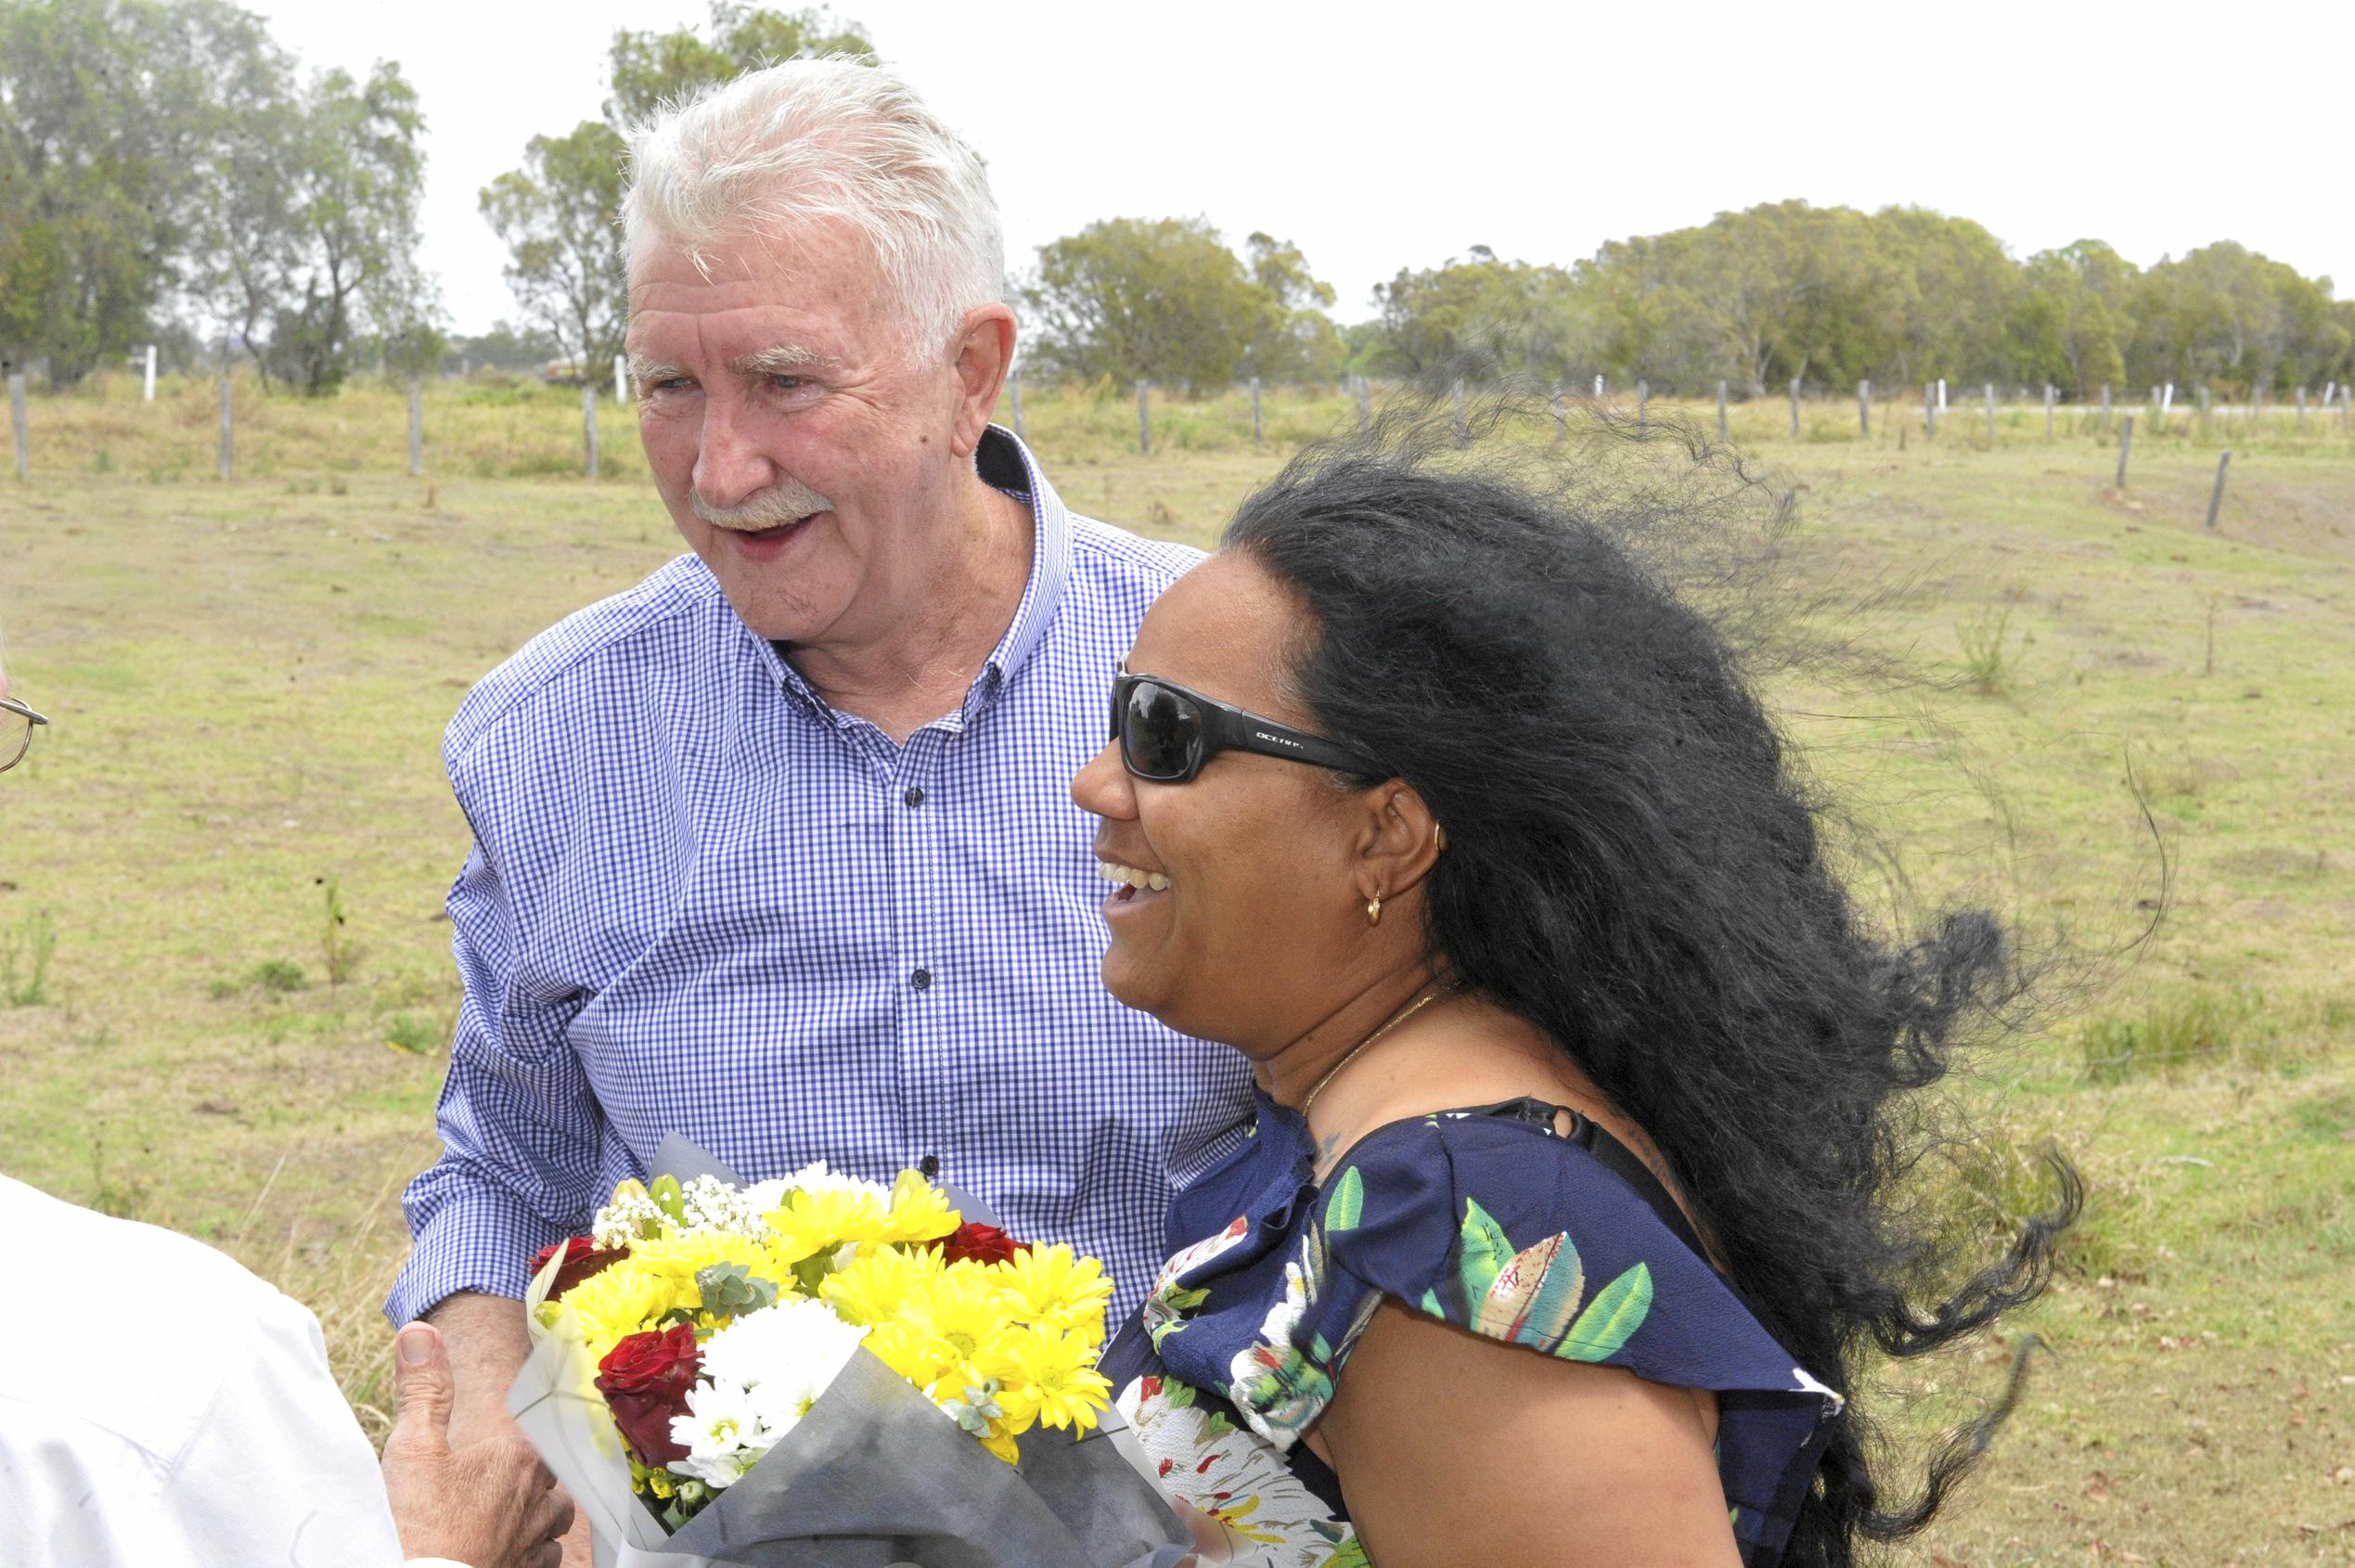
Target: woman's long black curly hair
1634	867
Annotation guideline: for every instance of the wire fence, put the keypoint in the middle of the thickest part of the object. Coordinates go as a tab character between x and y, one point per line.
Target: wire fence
1257	414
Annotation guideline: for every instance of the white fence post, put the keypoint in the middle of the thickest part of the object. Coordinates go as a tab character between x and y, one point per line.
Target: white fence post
1864	408
148	394
1723	438
416	428
1254	411
228	437
588	423
1014	386
1144	421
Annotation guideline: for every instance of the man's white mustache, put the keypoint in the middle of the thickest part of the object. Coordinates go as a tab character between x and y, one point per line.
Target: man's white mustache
787	501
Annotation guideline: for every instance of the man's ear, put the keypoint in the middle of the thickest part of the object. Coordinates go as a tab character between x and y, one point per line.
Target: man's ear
985	354
1397	842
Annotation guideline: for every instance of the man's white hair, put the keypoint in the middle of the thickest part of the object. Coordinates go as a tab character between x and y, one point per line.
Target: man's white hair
812	141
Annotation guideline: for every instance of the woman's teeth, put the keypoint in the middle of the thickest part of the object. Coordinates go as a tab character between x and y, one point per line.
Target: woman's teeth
1131	877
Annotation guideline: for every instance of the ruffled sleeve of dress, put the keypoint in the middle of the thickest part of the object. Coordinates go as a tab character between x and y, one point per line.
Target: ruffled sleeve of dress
1493	1222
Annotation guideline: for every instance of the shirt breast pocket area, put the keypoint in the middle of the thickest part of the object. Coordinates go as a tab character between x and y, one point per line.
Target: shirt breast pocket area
767	939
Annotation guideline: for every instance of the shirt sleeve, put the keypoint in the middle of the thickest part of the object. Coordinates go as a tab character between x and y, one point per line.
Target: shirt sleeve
520	1126
278	1471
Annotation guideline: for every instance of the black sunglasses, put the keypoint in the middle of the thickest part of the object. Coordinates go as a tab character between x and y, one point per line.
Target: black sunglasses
1168	733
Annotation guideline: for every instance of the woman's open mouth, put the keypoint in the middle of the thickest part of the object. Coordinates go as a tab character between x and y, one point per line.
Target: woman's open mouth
1133	883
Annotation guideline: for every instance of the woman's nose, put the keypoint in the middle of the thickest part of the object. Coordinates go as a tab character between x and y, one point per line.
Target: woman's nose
1102	786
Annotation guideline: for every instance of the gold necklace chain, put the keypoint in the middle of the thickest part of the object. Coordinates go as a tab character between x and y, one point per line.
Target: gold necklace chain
1395	1019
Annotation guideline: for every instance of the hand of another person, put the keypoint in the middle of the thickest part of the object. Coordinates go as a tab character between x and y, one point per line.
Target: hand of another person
490	1503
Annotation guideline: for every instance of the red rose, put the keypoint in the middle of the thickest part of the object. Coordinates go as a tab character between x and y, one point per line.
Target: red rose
982	1243
581	1260
644	1380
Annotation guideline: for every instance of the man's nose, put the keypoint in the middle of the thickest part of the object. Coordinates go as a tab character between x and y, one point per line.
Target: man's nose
730	465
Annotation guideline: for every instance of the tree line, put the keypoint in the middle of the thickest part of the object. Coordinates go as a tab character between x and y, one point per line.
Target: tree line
168	174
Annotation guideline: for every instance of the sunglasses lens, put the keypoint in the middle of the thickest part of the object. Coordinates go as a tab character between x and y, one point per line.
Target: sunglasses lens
1159	732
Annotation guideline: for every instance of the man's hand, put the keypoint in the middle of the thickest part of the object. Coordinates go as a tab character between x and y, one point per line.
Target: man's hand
490	1503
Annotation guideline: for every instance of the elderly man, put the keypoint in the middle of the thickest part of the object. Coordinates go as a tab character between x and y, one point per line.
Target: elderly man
775	849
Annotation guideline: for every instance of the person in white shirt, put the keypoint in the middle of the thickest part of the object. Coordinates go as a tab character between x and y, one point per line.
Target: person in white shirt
161	1408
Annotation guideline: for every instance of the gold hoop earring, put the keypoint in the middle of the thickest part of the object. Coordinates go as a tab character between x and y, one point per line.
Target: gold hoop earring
1438	837
1374	910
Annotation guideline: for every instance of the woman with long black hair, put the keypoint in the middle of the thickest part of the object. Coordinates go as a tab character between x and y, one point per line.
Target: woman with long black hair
1569	1225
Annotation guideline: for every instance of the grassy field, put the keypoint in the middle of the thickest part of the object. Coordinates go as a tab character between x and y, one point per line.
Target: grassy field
224	982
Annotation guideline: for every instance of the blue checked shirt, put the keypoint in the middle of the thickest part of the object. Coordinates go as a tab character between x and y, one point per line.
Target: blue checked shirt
701	901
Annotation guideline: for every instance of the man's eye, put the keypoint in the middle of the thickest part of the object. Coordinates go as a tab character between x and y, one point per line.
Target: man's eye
788	383
668	383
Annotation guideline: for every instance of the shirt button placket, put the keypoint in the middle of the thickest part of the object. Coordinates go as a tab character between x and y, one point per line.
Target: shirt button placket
917	858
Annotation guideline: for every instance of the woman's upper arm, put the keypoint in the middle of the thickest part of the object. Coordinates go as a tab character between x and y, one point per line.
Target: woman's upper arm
1455	1449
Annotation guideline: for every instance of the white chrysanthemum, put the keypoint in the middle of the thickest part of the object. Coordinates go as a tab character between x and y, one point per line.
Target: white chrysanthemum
818	1176
783	1355
723	1434
763	1196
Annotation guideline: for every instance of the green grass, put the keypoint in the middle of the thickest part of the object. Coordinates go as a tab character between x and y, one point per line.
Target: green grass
229	988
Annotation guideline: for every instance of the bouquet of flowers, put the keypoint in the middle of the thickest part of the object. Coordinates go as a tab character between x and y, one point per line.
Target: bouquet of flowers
817	1369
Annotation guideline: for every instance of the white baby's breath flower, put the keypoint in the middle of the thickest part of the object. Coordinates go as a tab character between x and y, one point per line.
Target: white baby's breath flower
622	1220
710	1204
723	1434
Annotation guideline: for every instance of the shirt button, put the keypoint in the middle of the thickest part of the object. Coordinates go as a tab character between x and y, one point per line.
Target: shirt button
915	796
922	979
929	1167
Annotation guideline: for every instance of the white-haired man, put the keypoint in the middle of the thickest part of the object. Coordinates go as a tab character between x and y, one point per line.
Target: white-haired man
775	850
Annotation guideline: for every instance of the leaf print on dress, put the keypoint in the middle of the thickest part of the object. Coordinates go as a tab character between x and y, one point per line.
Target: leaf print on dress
1532	1296
1347	1204
1277	1384
1617	1311
1277	1388
1168	1305
1482	1252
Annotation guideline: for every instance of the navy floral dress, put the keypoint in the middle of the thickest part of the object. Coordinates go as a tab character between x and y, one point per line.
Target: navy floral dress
1492	1219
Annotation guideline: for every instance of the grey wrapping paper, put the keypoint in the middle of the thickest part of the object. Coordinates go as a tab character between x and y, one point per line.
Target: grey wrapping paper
874	1476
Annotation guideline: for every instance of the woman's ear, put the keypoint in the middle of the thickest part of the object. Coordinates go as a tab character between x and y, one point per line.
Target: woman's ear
1398	840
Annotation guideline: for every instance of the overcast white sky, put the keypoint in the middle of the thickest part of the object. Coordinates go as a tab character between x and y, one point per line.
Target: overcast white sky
1381	136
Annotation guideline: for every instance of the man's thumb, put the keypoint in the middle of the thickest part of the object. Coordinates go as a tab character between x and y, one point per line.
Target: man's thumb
422	1386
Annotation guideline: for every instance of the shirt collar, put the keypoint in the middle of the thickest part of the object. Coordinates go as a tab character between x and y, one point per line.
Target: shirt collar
1003	461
